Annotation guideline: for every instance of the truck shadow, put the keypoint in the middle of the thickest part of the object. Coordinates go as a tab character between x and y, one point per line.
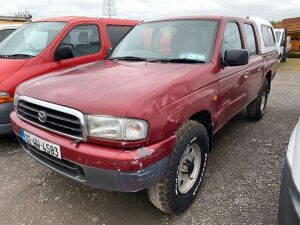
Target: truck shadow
7	143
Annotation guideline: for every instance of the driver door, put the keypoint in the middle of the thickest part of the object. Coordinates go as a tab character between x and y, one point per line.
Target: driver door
233	87
85	39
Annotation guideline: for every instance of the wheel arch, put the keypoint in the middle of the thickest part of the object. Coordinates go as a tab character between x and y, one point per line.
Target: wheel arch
205	118
269	78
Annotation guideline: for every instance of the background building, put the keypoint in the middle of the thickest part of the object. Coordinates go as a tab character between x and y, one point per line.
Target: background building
13	20
293	28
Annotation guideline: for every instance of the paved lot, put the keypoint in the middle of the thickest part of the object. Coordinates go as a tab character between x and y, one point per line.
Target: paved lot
241	185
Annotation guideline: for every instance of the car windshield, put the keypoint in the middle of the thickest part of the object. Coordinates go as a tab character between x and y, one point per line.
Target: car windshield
30	40
178	41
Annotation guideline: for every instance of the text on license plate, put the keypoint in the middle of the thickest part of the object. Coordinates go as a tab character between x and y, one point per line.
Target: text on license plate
41	144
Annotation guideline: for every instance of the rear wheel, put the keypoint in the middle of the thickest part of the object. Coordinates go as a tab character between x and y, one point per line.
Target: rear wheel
185	171
256	109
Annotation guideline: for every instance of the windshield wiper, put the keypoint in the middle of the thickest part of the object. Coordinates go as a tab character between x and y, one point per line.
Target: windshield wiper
129	58
176	60
18	55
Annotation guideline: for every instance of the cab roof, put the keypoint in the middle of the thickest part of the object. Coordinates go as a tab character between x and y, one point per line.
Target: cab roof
183	17
187	15
85	19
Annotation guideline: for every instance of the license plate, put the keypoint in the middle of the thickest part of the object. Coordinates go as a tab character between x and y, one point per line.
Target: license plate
41	144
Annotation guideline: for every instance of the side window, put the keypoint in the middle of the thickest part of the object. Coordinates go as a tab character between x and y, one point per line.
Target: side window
271	36
250	39
5	33
268	36
84	39
232	38
116	33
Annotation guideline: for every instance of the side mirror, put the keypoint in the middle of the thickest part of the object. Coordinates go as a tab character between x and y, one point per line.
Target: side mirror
64	52
236	57
283	43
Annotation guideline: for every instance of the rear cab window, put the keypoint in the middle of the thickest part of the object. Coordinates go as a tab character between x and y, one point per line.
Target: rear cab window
84	39
268	36
116	33
251	39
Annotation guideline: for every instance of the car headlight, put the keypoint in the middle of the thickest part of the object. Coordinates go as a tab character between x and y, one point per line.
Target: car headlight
116	128
5	97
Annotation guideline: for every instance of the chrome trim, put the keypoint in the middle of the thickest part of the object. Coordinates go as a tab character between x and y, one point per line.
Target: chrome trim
58	108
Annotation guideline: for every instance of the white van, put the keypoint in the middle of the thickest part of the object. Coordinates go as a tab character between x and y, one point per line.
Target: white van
282	43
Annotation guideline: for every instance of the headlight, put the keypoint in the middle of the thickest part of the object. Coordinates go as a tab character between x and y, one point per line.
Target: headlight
5	97
115	128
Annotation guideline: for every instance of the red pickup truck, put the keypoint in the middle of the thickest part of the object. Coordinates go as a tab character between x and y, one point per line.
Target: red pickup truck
52	44
145	117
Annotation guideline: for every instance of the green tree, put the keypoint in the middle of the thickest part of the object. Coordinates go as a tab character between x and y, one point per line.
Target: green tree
275	23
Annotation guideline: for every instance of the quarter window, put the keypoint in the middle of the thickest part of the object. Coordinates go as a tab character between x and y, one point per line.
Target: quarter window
116	33
232	38
268	36
84	39
250	39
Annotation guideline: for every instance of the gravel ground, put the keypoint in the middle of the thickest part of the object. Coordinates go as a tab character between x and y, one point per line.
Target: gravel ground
241	185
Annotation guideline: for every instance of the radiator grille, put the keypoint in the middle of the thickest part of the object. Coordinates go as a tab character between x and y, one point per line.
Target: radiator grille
51	119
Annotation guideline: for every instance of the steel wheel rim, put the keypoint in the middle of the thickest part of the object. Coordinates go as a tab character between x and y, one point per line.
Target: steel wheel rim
263	102
187	176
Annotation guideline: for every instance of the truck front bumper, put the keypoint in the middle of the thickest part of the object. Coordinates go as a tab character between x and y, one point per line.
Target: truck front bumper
5	110
289	200
103	167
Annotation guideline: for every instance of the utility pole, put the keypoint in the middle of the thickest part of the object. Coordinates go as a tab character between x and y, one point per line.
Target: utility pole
109	8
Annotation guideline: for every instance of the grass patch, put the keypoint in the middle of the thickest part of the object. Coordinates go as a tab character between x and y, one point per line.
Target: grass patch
291	65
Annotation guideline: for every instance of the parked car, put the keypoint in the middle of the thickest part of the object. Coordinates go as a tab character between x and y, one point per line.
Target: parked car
282	43
49	45
7	29
145	117
289	200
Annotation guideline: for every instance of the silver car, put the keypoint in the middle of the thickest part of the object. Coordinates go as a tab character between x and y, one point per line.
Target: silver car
289	200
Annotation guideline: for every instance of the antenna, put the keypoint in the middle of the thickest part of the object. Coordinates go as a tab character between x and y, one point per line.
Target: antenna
109	8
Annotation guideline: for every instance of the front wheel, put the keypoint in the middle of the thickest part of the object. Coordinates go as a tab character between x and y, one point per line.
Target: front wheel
185	170
256	109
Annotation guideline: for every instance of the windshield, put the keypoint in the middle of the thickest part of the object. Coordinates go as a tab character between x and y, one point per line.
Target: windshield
278	34
30	40
175	41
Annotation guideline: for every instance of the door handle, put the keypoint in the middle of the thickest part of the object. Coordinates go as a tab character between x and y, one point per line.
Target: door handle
246	75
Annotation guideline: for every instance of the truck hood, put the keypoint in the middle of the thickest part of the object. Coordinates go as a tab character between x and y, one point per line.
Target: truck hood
9	66
107	87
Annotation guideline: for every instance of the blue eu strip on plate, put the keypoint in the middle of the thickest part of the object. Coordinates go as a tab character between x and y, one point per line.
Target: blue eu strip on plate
23	135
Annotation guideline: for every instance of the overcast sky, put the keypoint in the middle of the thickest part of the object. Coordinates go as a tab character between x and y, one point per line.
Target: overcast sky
145	9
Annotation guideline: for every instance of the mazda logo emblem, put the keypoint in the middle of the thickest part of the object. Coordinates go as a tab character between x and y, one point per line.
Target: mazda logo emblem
42	116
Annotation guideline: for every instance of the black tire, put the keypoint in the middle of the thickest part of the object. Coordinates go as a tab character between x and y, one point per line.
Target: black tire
165	195
256	109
